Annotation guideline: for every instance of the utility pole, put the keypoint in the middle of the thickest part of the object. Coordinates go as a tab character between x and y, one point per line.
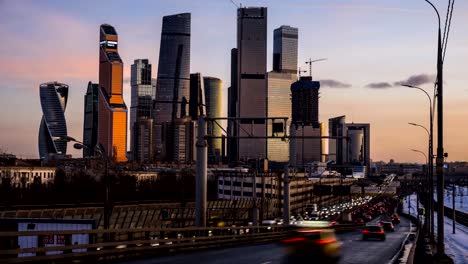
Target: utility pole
201	176
286	209
453	207
440	150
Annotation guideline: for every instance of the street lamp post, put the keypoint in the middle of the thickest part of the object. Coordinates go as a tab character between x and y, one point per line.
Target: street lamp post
430	175
81	145
418	188
440	143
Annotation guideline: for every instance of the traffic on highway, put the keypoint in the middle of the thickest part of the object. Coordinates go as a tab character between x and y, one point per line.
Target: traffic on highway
368	231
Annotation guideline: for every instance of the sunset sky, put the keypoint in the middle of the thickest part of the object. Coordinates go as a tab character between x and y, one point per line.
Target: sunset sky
370	45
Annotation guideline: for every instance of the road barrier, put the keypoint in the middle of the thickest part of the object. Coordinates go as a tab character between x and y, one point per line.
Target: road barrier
140	242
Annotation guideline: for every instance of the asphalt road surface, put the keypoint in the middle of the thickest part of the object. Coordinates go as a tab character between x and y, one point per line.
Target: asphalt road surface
355	251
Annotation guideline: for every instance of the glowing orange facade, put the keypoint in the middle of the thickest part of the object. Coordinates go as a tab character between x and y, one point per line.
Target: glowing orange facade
112	109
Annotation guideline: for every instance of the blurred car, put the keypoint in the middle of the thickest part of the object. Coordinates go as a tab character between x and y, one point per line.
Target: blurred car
373	231
387	226
395	219
312	244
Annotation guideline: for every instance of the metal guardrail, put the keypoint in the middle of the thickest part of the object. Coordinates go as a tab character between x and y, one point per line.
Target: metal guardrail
143	241
128	241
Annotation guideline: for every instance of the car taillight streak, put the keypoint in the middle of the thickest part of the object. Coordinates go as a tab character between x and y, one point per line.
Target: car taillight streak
326	241
291	240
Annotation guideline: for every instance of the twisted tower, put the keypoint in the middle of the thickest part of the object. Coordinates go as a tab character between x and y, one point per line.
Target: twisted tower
54	98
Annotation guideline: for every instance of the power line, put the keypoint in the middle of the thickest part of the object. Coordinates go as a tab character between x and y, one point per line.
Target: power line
446	20
448	30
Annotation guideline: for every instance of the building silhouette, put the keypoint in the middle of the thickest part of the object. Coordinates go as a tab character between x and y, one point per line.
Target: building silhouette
141	111
90	123
54	97
112	109
252	83
305	119
279	95
337	148
214	108
172	88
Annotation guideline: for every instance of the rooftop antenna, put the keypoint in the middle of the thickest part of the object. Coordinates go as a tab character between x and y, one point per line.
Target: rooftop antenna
234	3
310	61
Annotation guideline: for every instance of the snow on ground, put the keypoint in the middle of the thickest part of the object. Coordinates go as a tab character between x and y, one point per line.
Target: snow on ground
456	245
461	197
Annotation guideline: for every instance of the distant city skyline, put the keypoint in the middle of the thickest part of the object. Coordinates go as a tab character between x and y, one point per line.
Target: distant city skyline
370	46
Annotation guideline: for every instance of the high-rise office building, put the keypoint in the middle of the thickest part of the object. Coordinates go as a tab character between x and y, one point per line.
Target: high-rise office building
112	109
252	83
279	94
337	148
305	101
285	49
141	110
232	147
214	107
305	105
54	97
173	85
197	96
90	126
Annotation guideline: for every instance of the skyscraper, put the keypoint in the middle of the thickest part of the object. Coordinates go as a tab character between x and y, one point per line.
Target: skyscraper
54	97
214	107
305	101
252	84
112	109
90	126
337	149
279	94
285	49
141	111
305	105
173	84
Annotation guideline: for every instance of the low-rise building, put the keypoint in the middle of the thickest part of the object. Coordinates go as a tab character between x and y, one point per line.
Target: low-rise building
23	177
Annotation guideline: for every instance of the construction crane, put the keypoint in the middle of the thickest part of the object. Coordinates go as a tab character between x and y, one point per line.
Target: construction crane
310	61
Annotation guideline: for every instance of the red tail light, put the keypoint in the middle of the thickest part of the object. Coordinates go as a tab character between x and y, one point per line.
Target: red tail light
379	232
365	231
325	241
291	240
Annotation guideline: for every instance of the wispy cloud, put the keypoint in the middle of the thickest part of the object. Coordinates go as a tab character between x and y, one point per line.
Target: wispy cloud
334	84
416	80
379	85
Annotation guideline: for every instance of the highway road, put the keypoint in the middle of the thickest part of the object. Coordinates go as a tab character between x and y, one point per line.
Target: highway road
355	250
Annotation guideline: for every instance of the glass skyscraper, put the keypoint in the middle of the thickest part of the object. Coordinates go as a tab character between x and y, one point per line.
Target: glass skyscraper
279	94
173	85
285	49
54	97
214	108
112	124
90	123
141	111
252	83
